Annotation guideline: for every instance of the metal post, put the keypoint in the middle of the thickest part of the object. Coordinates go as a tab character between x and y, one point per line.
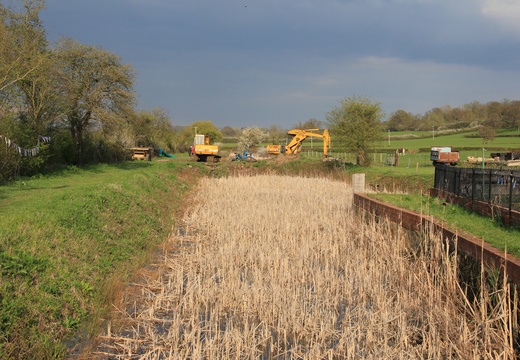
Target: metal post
473	181
444	178
458	182
489	186
510	194
483	167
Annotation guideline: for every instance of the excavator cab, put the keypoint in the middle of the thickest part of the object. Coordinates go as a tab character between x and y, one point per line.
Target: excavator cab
204	151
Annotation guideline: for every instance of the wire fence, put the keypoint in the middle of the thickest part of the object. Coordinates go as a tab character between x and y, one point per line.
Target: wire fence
495	186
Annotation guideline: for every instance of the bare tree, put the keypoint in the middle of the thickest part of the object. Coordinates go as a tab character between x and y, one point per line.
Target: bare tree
276	134
23	43
95	88
487	133
309	124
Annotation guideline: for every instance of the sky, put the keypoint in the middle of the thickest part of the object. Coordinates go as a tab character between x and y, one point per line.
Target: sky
258	63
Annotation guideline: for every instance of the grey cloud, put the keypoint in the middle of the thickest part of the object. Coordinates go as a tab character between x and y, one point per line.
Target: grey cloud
285	61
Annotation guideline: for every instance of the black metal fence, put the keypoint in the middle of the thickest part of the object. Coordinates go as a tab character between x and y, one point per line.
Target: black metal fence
499	186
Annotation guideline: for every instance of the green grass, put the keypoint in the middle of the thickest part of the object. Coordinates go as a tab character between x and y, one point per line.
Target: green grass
68	239
455	216
458	140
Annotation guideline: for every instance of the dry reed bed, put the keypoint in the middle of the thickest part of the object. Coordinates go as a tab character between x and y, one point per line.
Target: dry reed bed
277	267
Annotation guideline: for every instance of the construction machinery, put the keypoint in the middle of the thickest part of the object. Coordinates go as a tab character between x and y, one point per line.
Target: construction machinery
142	153
203	150
295	145
244	156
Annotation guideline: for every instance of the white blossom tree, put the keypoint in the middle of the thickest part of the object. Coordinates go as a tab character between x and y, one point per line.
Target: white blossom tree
251	137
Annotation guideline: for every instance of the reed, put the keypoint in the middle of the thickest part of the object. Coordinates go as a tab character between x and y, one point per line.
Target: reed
278	267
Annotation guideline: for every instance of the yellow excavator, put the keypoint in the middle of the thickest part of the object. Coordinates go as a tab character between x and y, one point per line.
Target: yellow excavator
295	145
203	150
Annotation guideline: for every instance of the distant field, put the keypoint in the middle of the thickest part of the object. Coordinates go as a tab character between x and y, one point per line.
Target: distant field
459	140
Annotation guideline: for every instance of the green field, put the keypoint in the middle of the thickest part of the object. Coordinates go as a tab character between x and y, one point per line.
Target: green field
505	139
67	243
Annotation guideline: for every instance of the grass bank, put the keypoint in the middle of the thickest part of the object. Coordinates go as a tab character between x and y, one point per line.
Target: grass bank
485	228
69	240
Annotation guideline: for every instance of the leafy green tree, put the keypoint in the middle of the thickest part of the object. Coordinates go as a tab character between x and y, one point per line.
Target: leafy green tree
153	128
94	86
356	123
401	121
478	112
459	115
434	118
204	127
511	113
494	114
228	131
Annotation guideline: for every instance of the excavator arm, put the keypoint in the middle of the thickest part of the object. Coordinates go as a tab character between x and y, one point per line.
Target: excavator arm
294	146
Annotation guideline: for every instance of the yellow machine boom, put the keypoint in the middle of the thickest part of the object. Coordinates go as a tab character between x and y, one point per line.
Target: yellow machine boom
298	136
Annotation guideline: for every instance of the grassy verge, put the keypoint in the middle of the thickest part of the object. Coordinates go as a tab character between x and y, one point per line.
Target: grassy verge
67	242
400	179
485	228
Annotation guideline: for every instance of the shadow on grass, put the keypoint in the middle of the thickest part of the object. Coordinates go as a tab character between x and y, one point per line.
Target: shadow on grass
24	184
101	168
96	168
132	165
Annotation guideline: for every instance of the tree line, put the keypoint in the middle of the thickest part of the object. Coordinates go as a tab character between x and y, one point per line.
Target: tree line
486	118
68	103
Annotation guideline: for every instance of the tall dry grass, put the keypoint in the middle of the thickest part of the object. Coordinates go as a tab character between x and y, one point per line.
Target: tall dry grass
277	267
